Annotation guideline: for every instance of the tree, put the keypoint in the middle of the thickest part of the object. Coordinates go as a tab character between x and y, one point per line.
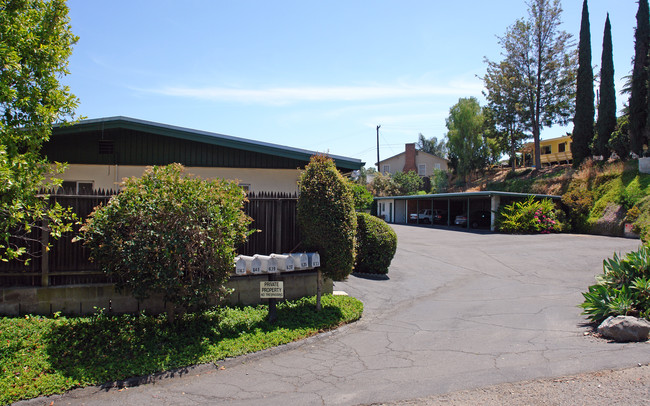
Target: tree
362	197
639	91
383	185
408	183
432	146
606	122
326	216
169	233
619	141
583	121
466	143
503	115
35	44
543	59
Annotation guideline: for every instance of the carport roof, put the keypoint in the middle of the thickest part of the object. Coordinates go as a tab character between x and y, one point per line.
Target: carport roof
485	193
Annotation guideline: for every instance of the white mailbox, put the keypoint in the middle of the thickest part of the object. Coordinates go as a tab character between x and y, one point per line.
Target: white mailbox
285	262
300	261
253	265
240	266
314	259
268	263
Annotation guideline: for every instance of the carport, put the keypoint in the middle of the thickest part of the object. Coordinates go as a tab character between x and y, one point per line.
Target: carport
398	209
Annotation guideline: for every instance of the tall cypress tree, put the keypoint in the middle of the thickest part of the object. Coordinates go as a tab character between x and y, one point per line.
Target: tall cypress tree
639	93
607	107
583	122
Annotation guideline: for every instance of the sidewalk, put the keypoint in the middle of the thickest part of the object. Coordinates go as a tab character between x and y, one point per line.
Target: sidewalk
625	387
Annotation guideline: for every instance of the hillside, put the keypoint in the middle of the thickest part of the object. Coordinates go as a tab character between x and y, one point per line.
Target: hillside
598	197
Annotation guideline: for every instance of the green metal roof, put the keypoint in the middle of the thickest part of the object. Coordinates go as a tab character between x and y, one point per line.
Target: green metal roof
485	193
202	137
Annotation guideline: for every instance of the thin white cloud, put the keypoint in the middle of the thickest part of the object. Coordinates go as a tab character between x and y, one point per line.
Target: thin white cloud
289	95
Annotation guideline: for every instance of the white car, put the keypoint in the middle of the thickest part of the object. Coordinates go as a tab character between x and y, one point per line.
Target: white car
424	216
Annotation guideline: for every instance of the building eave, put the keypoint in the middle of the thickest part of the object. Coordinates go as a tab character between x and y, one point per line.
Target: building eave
202	137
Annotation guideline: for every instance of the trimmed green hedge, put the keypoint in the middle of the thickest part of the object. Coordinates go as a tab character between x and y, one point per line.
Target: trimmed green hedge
376	244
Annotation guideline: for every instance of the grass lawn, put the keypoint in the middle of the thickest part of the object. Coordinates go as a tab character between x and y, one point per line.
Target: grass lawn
43	356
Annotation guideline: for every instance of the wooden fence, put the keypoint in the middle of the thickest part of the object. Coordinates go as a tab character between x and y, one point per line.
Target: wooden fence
67	263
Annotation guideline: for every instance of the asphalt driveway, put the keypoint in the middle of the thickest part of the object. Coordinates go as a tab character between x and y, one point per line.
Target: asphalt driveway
461	310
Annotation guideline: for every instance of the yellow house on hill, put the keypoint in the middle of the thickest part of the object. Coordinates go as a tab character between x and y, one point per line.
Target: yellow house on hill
552	151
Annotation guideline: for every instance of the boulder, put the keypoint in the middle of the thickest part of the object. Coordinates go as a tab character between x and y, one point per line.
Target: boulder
625	328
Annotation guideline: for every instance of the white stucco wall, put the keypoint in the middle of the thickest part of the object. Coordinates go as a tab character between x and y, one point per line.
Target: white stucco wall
259	180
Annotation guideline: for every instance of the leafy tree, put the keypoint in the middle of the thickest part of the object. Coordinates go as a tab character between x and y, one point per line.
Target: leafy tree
639	90
383	185
362	197
326	216
502	113
619	141
583	130
542	57
606	122
169	233
35	44
408	183
466	143
439	181
432	146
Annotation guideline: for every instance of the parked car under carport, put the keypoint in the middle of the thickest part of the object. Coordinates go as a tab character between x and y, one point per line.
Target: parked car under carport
406	209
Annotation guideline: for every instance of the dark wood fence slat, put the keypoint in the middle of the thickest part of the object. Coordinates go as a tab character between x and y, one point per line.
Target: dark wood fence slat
272	212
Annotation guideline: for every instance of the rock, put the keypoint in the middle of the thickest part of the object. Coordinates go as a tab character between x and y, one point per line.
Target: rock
611	222
625	328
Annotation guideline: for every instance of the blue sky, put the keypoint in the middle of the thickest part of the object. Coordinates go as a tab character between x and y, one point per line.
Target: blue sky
318	75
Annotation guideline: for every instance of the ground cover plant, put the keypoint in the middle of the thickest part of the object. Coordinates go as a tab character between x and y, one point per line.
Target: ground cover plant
623	289
42	356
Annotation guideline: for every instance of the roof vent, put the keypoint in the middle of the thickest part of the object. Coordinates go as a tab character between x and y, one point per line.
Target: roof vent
105	147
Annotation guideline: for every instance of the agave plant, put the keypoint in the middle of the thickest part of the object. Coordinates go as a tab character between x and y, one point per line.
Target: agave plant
622	289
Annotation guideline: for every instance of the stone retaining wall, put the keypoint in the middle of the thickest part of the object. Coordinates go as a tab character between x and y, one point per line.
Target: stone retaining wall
82	299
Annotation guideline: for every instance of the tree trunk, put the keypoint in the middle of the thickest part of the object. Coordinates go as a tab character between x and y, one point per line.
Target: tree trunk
513	152
538	155
319	288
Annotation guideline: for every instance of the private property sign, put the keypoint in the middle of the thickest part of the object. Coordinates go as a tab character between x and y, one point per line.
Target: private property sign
271	290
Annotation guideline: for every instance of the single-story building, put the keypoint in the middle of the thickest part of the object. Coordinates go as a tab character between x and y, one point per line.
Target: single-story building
101	152
411	159
475	206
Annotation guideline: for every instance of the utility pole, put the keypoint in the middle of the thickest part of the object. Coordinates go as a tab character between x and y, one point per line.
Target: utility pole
378	170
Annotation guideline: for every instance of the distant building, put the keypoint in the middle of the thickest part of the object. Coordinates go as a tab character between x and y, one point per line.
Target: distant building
411	159
552	151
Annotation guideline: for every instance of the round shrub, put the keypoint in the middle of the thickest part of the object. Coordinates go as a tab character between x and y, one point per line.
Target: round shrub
169	233
376	244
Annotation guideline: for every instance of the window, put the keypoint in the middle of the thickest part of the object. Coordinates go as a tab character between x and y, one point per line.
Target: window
437	166
561	147
245	186
386	169
546	149
81	187
422	169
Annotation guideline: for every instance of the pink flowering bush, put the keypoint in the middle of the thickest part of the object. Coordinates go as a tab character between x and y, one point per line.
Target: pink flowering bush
529	216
